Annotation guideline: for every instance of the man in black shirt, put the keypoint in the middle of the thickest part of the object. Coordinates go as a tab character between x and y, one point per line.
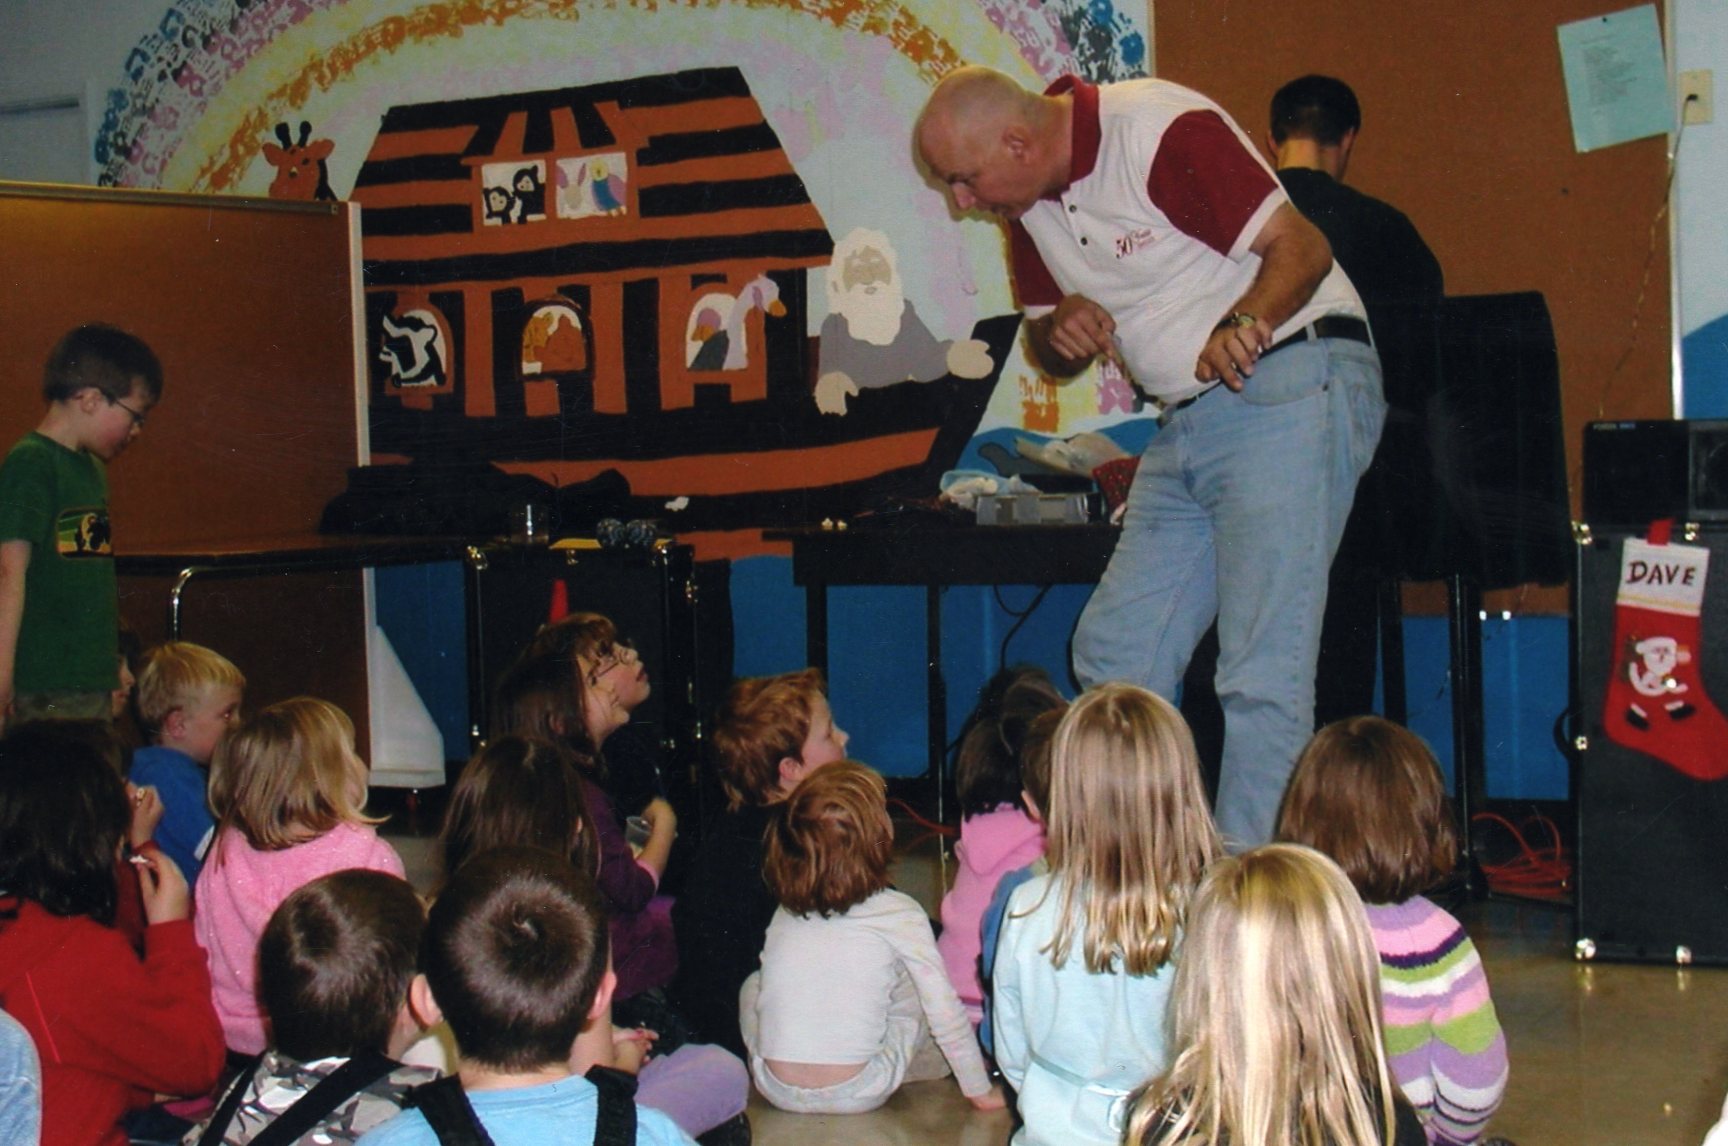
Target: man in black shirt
1315	121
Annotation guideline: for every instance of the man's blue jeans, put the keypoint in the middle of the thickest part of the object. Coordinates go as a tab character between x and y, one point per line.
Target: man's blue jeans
1235	512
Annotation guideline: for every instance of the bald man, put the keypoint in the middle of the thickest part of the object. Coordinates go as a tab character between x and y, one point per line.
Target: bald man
1144	227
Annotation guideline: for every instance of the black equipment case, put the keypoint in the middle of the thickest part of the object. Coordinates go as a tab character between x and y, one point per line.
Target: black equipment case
1651	867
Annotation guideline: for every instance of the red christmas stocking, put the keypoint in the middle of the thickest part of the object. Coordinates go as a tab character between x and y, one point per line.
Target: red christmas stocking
1656	701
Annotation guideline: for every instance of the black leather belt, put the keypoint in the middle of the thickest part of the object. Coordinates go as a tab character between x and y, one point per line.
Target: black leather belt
1330	326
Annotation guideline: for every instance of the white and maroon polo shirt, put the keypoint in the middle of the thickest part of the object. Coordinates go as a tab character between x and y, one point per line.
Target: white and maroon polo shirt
1165	196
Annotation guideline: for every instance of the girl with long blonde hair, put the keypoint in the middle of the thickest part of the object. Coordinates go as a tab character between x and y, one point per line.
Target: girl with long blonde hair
1082	971
1277	1010
289	794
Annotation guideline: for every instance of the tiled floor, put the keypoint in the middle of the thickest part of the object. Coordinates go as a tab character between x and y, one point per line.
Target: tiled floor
1602	1055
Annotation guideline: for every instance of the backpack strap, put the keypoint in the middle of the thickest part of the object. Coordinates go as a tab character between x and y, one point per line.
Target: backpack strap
230	1106
615	1123
449	1113
305	1113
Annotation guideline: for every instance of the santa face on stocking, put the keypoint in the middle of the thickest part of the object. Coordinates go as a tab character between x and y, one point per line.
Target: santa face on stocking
1650	669
1657	702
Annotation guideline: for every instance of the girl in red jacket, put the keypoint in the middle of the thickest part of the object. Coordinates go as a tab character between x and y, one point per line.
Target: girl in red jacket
112	1030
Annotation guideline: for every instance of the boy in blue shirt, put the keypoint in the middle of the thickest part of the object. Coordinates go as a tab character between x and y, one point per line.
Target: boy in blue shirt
516	960
59	608
188	696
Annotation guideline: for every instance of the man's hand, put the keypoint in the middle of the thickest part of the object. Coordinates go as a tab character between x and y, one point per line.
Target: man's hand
1072	335
1231	352
1294	258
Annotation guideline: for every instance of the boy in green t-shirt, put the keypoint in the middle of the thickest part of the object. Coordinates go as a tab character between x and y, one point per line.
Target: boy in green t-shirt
59	609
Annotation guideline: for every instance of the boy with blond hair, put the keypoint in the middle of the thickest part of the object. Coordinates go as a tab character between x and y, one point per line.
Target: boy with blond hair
772	732
188	695
59	607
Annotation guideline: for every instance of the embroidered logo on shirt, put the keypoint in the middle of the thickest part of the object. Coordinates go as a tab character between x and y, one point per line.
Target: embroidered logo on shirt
83	533
1133	241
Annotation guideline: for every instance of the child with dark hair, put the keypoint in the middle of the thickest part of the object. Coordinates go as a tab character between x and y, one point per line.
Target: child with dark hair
518	792
1368	793
52	736
1035	747
114	1029
771	733
851	1000
59	606
515	960
569	687
997	833
334	965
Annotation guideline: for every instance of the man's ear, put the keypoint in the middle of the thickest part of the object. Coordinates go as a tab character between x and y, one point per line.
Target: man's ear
603	994
422	1004
174	724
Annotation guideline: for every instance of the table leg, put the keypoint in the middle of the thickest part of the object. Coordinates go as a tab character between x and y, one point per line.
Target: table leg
816	625
937	729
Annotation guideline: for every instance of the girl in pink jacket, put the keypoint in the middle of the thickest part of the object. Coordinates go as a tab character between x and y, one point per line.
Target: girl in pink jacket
289	795
996	834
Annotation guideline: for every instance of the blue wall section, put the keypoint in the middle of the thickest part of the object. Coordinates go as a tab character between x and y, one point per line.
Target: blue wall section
1704	360
421	610
1525	686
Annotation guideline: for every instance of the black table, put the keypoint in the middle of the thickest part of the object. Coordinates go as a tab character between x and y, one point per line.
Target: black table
936	556
301	553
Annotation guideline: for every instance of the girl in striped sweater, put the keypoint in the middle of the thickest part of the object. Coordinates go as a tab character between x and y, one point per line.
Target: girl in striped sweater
1369	794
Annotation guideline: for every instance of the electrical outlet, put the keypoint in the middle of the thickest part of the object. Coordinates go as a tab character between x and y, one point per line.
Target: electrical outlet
1696	93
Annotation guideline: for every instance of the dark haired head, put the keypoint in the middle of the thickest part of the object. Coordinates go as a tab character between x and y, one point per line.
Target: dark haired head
1035	751
1315	107
515	951
541	695
334	963
987	767
523	793
104	357
63	813
1368	793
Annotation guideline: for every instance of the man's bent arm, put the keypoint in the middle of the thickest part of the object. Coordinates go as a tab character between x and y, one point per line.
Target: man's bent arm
1294	258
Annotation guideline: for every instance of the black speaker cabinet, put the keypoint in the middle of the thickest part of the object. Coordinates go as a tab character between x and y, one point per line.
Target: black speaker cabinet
1652	877
1635	472
677	612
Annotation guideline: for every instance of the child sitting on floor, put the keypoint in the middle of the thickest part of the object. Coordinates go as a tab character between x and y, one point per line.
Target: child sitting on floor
562	689
1035	793
188	696
334	965
289	795
1369	794
524	793
515	961
1082	973
771	733
998	832
1277	1012
114	1030
851	1000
